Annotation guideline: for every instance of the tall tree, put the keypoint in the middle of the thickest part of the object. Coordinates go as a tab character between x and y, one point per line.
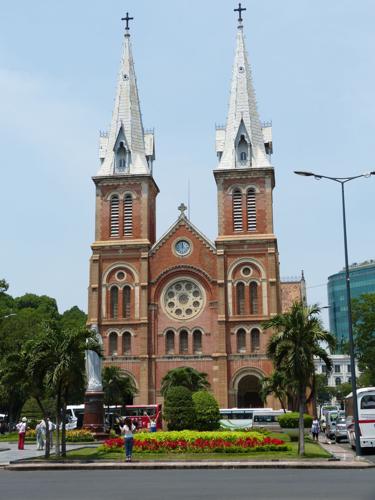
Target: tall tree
299	337
184	377
363	309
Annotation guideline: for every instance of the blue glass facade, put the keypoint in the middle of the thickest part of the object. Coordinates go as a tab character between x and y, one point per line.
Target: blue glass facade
362	280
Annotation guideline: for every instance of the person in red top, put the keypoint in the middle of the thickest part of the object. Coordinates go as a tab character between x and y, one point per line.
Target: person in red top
145	420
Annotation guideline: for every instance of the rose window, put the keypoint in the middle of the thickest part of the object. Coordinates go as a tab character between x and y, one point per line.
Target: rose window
183	299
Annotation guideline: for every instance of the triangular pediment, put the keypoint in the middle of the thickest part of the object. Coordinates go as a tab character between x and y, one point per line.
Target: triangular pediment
182	221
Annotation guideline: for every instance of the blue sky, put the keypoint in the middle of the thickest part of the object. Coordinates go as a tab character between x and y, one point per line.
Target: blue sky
313	68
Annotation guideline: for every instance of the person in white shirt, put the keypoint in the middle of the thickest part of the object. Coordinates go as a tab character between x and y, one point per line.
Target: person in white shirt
21	427
127	429
40	435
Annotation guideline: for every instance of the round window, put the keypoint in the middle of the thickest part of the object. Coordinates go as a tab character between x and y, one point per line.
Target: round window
246	271
183	299
120	275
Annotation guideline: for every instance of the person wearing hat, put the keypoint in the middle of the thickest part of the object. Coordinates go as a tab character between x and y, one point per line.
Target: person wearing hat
21	427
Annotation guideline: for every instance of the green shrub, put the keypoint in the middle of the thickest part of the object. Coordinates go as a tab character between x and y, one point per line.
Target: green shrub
207	415
179	411
290	420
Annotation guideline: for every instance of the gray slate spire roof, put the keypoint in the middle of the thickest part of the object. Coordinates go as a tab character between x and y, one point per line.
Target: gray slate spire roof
123	149
243	118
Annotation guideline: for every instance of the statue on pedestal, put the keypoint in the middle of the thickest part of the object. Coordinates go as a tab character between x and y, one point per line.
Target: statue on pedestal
94	366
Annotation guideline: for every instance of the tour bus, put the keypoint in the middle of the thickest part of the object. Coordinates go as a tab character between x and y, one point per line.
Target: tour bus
239	418
366	417
137	414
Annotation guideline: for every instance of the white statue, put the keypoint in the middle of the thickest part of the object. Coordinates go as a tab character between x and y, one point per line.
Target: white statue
94	366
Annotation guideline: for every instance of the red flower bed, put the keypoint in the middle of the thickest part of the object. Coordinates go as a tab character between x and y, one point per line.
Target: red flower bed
200	445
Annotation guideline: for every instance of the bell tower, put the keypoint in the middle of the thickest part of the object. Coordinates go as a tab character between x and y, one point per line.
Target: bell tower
247	255
125	226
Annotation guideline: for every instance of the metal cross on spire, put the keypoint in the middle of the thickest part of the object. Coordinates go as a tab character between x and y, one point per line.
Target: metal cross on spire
127	19
239	10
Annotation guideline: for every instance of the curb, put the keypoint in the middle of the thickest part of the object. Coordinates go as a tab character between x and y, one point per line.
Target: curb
186	465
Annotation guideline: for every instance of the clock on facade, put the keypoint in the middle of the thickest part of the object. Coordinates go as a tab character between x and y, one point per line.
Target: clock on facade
182	247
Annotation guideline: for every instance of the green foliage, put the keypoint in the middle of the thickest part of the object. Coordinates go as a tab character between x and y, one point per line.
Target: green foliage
207	415
3	286
31	410
291	420
363	309
184	377
277	384
118	387
73	318
179	410
322	391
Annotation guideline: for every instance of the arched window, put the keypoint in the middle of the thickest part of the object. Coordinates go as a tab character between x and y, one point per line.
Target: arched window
240	298
237	210
127	343
197	342
253	298
114	302
338	381
169	342
128	215
251	210
243	156
126	301
255	339
114	215
113	344
241	340
184	342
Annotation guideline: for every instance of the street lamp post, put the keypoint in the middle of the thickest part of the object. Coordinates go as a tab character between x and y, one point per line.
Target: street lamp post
343	181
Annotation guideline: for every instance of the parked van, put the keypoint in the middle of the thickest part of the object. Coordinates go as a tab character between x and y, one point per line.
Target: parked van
331	417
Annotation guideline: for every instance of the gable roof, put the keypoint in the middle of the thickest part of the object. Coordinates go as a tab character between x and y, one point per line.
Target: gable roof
182	221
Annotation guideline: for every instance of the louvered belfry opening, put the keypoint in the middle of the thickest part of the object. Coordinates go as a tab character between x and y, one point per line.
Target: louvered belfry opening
114	302
251	210
126	302
114	215
253	298
237	210
127	343
184	343
169	342
240	298
128	215
197	341
241	340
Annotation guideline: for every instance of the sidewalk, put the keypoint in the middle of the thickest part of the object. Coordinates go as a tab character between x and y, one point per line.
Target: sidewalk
9	452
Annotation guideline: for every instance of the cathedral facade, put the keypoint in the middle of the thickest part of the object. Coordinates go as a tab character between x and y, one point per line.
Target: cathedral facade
182	300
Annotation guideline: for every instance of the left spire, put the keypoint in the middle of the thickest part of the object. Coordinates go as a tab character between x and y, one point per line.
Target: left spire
122	150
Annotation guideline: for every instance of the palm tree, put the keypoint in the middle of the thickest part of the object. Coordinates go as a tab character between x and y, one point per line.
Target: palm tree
276	384
117	386
186	377
299	337
68	370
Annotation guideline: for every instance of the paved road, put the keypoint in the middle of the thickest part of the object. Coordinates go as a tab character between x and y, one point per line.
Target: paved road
190	485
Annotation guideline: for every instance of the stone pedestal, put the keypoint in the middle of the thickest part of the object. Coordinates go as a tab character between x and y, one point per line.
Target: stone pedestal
93	418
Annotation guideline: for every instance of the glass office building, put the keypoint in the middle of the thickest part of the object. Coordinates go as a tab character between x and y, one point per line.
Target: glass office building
362	280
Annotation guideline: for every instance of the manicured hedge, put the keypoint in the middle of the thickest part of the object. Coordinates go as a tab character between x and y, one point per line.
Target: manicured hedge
76	436
207	414
291	420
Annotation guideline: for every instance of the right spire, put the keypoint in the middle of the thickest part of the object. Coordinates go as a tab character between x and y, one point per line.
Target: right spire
241	144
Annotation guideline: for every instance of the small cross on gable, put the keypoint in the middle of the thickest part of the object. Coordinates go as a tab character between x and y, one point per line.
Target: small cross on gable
182	208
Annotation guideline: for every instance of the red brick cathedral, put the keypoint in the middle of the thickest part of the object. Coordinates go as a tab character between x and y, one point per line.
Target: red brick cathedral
182	300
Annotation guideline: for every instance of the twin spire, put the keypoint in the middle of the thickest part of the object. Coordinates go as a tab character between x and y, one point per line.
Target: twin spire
127	149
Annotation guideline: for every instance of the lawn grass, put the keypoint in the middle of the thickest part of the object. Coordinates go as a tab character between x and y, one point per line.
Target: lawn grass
312	451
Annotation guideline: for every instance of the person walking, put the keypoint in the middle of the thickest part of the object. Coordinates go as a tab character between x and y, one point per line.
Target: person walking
127	429
315	429
40	435
50	427
21	427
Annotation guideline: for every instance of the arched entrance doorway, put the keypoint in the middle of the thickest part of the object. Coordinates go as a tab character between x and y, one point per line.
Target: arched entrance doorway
248	392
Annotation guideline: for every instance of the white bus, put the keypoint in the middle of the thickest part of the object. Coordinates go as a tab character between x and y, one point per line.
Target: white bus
366	417
239	418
